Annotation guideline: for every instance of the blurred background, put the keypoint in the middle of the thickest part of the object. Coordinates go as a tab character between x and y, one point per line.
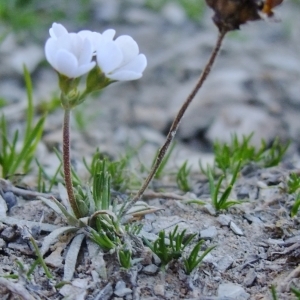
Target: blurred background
254	86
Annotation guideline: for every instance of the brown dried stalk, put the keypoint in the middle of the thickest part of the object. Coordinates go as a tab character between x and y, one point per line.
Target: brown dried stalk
174	127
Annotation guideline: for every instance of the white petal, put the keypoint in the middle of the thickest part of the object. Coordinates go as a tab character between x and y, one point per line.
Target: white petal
73	43
86	52
50	50
57	30
109	34
66	63
85	33
138	64
128	46
109	57
124	75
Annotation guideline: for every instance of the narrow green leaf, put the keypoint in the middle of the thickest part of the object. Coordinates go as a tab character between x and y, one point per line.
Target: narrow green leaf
30	108
164	162
296	205
224	197
27	146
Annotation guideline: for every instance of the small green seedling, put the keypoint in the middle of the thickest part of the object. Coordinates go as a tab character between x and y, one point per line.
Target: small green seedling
121	176
293	183
273	156
101	238
133	228
222	202
182	177
124	256
193	260
170	248
227	156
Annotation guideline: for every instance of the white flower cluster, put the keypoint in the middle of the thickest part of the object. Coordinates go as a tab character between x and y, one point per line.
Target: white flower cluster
71	54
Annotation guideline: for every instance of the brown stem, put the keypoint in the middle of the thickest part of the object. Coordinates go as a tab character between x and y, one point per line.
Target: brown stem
176	122
67	163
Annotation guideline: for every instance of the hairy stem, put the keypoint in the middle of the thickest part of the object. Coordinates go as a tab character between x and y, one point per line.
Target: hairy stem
67	163
172	132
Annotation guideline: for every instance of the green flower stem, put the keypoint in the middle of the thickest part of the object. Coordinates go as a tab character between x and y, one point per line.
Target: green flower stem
172	132
67	162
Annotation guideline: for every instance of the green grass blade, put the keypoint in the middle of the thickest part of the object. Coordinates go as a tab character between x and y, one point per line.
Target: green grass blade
27	146
296	205
30	108
216	192
164	162
273	292
224	197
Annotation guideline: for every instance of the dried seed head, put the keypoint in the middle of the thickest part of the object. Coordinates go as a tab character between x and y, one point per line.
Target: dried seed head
230	14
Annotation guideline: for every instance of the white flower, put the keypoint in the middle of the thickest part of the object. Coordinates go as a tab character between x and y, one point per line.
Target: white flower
120	59
71	53
68	53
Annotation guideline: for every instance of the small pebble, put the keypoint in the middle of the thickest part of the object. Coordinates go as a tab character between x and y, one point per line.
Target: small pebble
151	269
146	256
106	293
23	248
250	278
243	193
249	169
252	219
235	228
10	199
224	220
2	244
121	290
120	284
232	291
217	278
128	297
224	263
209	209
159	290
209	233
261	185
261	279
9	234
156	260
